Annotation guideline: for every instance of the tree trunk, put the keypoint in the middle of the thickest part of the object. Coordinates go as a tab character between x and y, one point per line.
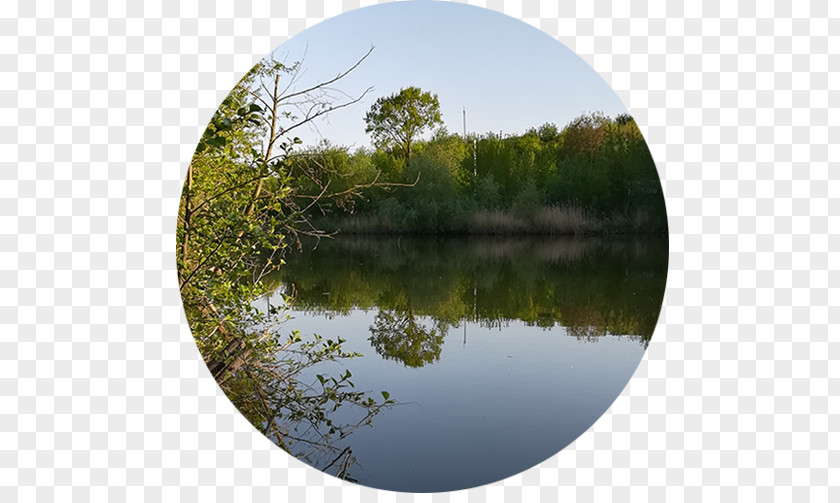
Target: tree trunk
272	137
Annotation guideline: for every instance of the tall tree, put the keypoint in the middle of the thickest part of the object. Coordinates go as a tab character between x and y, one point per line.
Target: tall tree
397	120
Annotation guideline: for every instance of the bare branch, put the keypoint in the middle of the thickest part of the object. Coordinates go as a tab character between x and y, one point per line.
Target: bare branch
356	188
327	110
334	79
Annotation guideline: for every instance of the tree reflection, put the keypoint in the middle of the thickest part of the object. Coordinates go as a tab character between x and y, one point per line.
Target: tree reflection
397	335
591	286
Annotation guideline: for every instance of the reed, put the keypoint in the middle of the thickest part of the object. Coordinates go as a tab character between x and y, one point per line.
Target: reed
564	220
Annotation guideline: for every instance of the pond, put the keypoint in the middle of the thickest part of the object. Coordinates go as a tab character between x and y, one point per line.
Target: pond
498	352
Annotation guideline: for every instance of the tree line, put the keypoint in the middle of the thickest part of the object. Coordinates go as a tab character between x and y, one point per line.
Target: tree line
595	175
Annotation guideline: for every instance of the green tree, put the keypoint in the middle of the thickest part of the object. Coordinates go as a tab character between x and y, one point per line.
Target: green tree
548	132
398	119
237	216
622	119
584	134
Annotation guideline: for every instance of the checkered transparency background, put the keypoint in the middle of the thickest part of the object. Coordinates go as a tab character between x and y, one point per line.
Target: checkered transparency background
103	394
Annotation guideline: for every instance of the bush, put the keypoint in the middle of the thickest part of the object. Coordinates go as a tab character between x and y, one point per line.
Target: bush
528	200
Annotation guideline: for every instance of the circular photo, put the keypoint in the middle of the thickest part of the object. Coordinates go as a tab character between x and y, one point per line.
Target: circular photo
422	246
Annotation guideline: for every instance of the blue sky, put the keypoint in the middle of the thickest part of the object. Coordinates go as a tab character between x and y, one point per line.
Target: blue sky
509	76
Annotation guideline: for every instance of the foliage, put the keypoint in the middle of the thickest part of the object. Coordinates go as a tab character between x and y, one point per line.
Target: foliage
396	120
584	134
594	176
240	209
487	194
529	199
330	177
296	414
547	133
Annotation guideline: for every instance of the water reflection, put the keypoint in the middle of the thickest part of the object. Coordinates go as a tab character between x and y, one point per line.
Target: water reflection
498	352
398	335
591	287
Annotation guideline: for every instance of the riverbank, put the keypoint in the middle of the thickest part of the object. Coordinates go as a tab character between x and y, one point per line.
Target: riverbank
551	220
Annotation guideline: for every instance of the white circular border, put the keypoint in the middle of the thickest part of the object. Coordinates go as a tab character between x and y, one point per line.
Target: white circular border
104	395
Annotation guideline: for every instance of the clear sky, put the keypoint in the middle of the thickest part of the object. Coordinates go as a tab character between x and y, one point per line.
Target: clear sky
509	76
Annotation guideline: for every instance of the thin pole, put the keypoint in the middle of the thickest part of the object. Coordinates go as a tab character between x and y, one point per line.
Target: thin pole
465	123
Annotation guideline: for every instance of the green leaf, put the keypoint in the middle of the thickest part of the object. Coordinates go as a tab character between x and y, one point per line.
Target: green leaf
217	141
385	395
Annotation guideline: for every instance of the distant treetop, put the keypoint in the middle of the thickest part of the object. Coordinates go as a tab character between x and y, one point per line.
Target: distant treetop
395	121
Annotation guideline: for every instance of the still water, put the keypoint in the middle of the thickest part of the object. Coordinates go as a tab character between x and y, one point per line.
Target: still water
498	352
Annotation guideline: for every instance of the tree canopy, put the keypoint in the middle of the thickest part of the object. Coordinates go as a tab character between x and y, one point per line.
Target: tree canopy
397	120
